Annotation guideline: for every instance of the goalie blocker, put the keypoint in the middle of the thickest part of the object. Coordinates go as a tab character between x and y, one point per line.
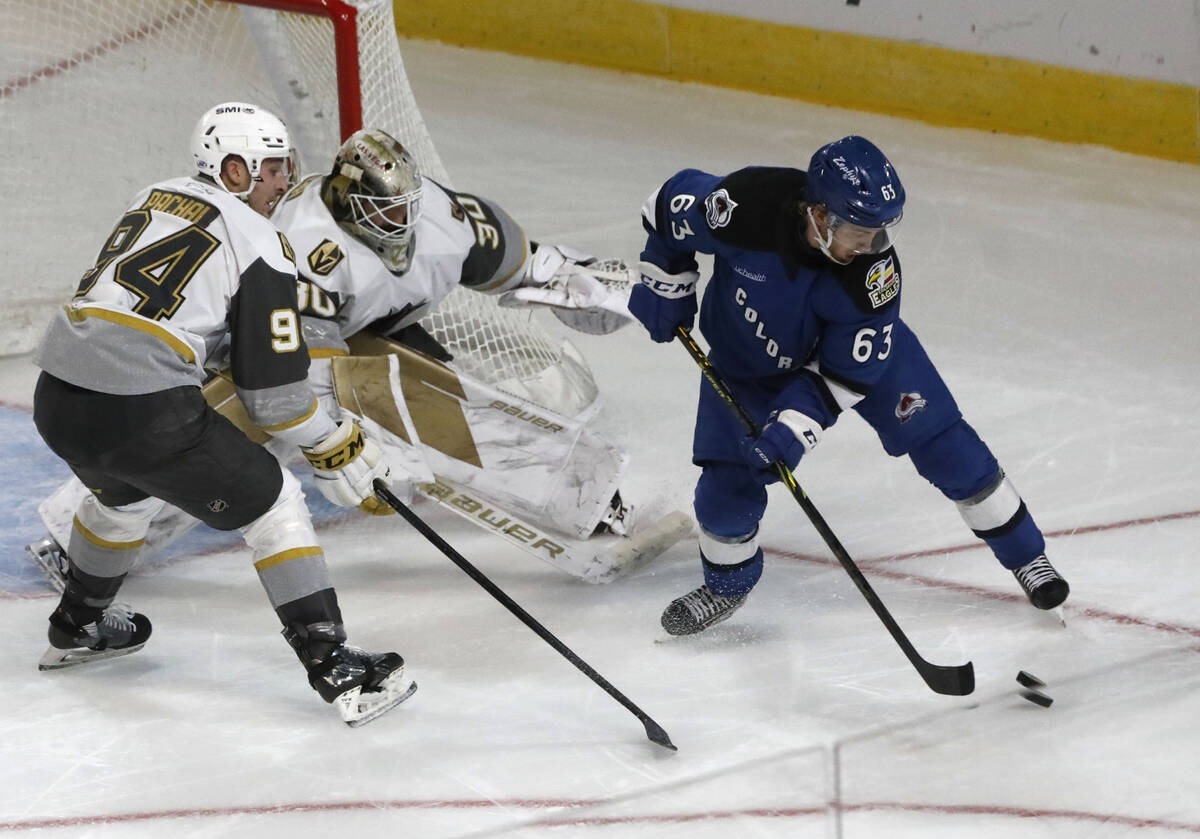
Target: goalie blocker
542	482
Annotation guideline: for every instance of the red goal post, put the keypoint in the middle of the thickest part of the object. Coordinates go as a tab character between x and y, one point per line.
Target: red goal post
98	99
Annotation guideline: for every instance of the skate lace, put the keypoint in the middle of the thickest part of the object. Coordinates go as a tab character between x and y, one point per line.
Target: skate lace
116	621
704	604
1036	574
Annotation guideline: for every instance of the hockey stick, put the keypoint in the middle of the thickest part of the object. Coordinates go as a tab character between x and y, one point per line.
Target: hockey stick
654	731
951	681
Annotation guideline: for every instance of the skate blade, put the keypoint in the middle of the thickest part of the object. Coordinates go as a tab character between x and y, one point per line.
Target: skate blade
56	659
639	550
41	553
358	708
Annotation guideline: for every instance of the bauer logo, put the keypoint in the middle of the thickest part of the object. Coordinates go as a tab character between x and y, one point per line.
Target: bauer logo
909	405
883	283
719	208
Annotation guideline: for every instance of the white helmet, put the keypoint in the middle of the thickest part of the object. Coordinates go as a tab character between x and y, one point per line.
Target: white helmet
374	193
236	128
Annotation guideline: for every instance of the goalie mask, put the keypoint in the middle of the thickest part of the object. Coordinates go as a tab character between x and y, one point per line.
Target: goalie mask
247	131
374	193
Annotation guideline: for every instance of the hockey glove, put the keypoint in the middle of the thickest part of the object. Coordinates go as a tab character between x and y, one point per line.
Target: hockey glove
787	437
664	301
586	294
345	466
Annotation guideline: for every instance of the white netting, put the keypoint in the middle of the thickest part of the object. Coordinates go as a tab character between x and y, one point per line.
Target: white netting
98	99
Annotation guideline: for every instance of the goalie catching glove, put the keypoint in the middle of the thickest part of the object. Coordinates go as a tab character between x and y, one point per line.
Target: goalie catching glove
586	294
345	466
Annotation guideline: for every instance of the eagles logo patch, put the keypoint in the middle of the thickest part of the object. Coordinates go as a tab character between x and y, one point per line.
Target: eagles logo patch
719	208
324	258
883	283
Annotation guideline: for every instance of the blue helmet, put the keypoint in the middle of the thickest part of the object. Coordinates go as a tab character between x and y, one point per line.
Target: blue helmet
853	179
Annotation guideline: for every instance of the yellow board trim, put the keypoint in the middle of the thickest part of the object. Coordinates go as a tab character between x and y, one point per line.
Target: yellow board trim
78	315
286	556
105	543
897	78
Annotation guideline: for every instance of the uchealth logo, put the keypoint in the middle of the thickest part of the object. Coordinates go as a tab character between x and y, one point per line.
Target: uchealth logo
909	405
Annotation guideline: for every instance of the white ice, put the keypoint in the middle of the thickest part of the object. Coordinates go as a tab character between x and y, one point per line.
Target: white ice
1056	287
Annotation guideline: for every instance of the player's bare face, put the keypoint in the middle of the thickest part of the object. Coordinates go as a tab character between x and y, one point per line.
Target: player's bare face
272	183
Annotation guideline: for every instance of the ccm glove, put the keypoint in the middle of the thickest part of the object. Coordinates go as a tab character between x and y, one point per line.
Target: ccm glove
664	301
787	437
345	466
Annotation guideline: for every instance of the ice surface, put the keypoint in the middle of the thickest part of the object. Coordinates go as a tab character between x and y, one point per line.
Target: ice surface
1056	288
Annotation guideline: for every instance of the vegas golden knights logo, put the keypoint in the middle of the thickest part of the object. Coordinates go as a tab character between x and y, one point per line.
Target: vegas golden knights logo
324	258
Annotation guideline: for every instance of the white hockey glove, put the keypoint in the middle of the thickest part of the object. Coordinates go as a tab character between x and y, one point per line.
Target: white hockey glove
586	294
345	466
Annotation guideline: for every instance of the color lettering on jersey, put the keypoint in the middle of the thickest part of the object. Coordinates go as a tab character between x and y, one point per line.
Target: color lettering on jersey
771	346
883	283
199	213
325	257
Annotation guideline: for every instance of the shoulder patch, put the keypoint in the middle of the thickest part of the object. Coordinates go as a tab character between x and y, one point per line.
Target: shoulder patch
325	257
883	282
288	253
718	208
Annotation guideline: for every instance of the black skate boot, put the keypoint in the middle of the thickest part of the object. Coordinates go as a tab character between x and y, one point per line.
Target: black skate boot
87	626
698	610
1045	587
79	635
362	685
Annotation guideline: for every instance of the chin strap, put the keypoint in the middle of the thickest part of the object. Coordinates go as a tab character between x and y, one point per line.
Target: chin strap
822	242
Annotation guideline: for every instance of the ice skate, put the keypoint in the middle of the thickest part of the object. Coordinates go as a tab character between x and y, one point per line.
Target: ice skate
697	610
52	559
1045	587
361	685
113	632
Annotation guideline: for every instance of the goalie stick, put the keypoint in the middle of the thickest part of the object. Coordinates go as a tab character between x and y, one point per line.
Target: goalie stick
950	681
654	731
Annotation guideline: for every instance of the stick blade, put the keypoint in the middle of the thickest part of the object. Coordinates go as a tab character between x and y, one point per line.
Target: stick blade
658	734
950	681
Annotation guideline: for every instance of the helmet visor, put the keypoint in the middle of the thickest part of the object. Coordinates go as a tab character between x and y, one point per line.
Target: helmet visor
854	239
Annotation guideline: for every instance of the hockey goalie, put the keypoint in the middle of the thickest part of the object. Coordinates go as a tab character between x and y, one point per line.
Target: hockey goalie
378	246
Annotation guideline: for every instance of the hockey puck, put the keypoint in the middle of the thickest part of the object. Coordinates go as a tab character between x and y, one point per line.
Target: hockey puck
1028	680
1037	698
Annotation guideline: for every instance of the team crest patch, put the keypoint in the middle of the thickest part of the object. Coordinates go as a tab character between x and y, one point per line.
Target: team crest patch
910	405
324	258
719	208
883	283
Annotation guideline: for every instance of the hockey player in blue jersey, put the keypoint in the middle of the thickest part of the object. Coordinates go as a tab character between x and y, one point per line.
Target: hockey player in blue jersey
802	314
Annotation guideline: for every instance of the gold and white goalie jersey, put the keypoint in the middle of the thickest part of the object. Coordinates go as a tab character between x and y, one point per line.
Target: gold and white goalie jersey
344	286
190	270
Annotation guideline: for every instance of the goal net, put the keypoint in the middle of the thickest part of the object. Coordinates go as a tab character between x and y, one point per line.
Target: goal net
98	98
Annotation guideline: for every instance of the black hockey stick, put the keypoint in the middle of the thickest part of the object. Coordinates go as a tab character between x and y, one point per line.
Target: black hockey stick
654	731
952	681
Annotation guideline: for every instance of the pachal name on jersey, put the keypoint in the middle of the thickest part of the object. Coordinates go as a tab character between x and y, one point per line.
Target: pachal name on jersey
883	283
199	213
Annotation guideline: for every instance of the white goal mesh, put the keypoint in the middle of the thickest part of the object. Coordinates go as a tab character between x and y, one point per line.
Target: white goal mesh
98	99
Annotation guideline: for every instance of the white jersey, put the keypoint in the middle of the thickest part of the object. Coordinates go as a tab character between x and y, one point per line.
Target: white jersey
344	286
189	269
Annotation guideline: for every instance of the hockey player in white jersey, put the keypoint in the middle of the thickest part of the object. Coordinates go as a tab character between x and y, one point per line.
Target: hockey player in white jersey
192	265
378	246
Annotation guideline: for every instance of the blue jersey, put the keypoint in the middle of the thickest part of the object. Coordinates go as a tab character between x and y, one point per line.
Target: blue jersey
776	313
